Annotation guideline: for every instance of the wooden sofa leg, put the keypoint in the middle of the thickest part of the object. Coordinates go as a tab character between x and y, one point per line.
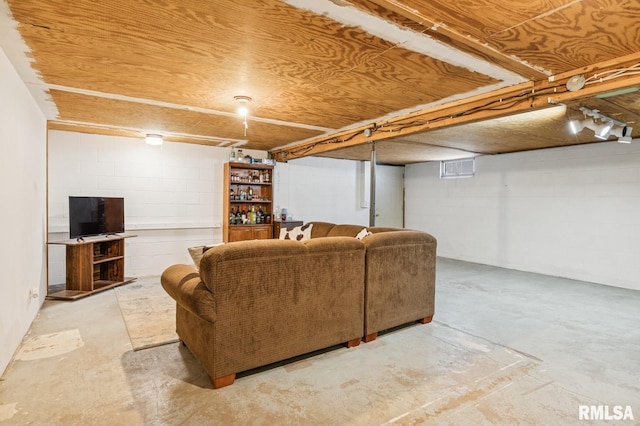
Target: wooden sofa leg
353	342
370	337
425	320
223	381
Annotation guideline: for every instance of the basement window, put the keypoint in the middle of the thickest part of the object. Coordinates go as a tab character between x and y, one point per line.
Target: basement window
463	168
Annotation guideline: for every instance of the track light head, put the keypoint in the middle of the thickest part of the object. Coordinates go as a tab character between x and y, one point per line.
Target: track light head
602	131
623	133
576	126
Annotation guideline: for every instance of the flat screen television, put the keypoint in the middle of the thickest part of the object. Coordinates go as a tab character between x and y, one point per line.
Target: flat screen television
95	216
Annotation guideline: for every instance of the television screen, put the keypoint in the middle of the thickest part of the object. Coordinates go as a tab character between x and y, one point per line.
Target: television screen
95	216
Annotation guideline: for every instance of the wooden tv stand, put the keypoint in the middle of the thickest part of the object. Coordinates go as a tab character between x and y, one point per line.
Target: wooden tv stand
93	265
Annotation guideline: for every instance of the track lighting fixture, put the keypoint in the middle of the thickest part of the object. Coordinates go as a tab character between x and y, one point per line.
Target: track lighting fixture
601	125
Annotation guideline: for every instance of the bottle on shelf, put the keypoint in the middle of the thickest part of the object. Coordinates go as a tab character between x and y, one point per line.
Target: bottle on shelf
243	216
232	155
260	217
250	193
232	217
252	214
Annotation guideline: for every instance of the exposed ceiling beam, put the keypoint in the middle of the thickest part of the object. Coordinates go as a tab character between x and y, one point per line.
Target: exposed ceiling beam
512	100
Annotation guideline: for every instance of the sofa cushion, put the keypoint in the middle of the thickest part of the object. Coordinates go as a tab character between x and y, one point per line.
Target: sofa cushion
329	245
320	229
345	231
197	252
299	233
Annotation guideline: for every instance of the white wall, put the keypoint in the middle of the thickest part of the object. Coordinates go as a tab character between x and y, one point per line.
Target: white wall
321	189
569	212
173	195
23	212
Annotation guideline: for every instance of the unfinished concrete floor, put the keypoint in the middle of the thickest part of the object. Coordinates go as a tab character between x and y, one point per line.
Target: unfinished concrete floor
505	347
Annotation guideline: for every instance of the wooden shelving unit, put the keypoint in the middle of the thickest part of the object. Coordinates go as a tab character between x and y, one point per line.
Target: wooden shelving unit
238	178
93	265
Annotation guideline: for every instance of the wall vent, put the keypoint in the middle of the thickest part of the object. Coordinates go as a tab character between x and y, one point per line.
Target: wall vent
463	168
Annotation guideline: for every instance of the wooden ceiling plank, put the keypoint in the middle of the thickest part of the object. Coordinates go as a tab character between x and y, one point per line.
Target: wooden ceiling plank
484	50
574	35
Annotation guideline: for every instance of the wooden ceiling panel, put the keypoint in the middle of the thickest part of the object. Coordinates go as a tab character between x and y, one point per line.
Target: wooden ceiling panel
576	36
397	152
397	80
87	110
199	54
483	18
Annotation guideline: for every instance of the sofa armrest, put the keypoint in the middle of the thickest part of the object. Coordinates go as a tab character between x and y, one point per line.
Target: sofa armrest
183	284
400	278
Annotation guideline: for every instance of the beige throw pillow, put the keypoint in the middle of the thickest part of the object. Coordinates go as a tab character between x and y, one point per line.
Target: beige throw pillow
197	252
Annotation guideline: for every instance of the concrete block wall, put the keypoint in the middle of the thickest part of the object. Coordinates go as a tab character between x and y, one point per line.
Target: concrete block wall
569	212
322	189
173	195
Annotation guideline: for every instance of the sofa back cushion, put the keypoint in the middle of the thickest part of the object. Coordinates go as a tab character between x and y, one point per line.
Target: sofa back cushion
320	229
326	229
323	245
345	230
250	259
380	229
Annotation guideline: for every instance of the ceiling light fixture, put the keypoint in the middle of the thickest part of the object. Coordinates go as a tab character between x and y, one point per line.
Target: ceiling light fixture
243	109
576	82
153	139
601	125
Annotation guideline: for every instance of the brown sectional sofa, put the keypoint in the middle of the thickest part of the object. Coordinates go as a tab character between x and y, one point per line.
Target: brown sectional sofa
257	302
400	274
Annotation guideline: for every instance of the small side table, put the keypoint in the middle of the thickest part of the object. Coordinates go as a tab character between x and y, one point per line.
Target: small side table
284	224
